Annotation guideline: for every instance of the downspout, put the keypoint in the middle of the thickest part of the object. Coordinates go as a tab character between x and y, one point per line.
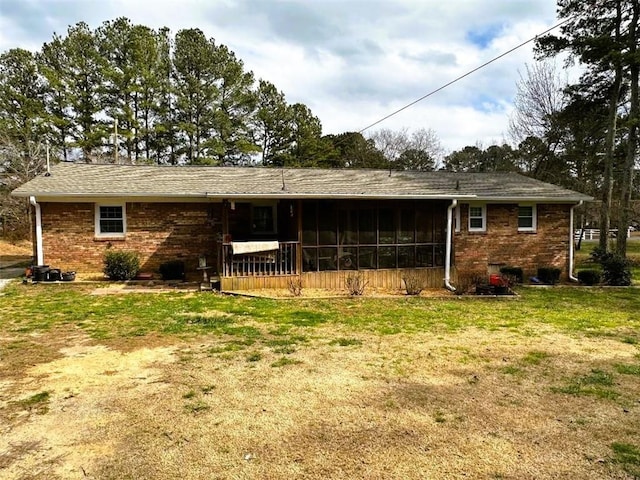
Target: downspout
39	255
572	242
447	259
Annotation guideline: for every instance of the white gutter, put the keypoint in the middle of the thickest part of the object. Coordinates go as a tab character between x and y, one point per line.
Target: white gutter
275	195
39	254
339	196
572	240
57	196
447	255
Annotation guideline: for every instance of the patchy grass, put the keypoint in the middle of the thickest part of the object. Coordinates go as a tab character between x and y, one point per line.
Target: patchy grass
37	403
284	361
628	456
597	312
595	383
35	400
197	407
439	417
512	370
628	369
207	389
349	388
534	357
254	357
345	342
189	394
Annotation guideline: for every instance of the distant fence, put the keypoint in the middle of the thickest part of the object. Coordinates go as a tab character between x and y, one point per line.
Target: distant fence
594	233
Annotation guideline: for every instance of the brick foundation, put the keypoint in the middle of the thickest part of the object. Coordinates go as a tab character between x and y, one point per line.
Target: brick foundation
502	243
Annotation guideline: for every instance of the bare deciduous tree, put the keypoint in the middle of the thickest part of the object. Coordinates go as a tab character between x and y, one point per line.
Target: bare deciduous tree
539	96
19	162
394	143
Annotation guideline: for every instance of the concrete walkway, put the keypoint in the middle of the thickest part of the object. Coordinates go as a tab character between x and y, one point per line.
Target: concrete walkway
10	269
8	274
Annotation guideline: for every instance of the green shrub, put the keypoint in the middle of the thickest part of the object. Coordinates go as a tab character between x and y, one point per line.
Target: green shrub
597	253
589	277
172	270
615	270
513	272
549	275
121	265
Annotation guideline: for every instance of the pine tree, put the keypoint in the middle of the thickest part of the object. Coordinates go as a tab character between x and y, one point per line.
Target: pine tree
196	93
85	82
232	137
272	125
53	63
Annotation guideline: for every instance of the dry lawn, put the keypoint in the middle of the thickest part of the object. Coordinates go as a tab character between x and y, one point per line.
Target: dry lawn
14	253
15	249
338	404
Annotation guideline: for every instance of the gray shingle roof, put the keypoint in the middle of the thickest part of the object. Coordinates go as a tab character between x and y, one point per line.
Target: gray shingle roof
86	180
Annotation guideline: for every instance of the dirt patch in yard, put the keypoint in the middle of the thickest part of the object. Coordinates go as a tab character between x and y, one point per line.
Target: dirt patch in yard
57	413
337	404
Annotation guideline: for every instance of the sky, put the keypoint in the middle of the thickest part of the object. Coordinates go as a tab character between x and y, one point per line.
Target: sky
352	62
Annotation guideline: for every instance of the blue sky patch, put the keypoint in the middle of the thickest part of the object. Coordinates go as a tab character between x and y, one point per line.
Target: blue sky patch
482	37
487	103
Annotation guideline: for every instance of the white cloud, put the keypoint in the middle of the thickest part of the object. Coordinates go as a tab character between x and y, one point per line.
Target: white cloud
352	62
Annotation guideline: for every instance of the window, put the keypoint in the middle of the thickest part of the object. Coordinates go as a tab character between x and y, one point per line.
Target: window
110	221
263	219
359	235
477	218
526	218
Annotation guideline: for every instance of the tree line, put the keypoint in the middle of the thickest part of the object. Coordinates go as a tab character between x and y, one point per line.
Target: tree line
173	99
181	99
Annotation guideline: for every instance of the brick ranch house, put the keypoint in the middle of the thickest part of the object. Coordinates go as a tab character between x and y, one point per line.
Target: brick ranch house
259	227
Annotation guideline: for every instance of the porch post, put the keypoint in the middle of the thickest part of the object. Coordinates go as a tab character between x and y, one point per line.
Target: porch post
299	248
225	232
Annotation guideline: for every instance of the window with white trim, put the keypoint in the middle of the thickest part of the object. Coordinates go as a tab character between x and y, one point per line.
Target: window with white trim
477	218
110	220
527	218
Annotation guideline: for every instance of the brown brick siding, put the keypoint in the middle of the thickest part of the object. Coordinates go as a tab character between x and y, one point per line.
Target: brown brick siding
158	232
503	244
168	231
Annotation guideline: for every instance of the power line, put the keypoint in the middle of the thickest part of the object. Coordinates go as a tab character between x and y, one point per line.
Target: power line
465	75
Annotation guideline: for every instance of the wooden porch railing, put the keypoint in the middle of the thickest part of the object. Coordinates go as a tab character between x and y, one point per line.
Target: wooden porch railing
279	262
